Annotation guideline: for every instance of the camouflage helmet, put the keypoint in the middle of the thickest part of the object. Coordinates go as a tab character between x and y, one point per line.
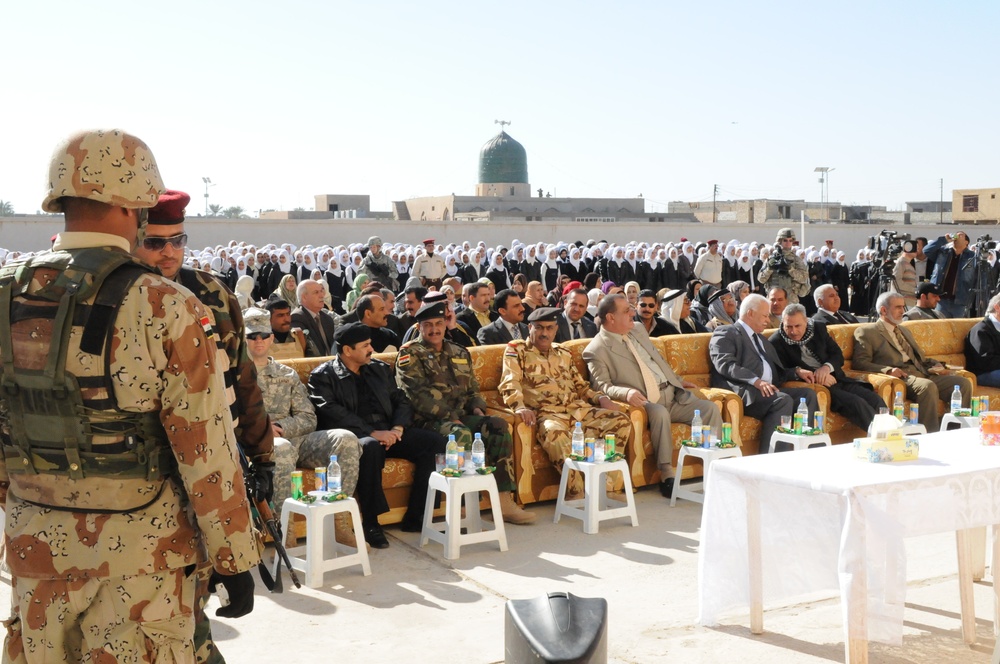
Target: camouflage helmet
106	165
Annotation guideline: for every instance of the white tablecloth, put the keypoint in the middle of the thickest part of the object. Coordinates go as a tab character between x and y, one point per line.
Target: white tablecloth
829	521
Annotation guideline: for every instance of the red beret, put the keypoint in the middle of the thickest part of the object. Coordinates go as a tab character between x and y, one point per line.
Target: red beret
684	239
571	286
711	242
428	241
169	209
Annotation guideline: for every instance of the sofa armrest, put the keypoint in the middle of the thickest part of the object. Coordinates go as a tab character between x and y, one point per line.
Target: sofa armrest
522	440
885	386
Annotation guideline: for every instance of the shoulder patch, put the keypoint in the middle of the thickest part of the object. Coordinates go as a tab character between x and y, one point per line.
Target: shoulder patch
206	325
511	350
403	359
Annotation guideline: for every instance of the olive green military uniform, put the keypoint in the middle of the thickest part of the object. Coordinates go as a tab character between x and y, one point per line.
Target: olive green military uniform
103	565
287	402
549	384
443	390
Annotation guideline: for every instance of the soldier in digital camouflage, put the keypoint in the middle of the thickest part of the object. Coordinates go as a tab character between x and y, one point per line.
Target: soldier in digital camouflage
542	385
119	467
162	248
297	442
438	377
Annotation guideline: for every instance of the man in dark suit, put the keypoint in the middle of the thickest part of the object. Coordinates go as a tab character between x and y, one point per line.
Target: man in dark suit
316	322
477	315
746	363
982	346
508	326
371	311
805	343
828	307
572	322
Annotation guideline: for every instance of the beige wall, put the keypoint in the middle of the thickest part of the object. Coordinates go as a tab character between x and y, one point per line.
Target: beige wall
32	233
989	206
343	202
520	189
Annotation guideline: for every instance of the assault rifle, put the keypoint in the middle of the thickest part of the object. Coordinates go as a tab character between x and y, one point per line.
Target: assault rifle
258	479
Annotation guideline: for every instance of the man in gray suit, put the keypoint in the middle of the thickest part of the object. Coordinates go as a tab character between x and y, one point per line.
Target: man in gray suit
885	347
624	364
746	363
928	296
508	327
316	322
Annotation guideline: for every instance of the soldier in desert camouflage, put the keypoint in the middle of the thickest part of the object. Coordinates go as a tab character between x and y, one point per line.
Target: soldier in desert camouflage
297	442
437	376
162	248
541	384
119	467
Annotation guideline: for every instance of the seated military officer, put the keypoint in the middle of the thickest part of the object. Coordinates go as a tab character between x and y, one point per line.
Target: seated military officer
541	384
296	440
437	376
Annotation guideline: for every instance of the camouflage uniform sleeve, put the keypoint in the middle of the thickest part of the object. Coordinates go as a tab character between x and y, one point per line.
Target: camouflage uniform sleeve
254	432
302	419
195	414
472	399
510	379
799	273
581	386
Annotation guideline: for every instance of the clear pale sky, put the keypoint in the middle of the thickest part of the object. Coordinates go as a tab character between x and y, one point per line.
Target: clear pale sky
279	101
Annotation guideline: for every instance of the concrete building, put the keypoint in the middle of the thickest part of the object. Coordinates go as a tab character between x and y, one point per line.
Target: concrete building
929	206
764	210
975	206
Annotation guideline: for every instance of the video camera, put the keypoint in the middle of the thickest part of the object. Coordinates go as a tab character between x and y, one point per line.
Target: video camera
777	261
984	244
888	245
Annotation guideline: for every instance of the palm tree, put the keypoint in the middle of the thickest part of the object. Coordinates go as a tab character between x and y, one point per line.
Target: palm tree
215	210
234	212
6	209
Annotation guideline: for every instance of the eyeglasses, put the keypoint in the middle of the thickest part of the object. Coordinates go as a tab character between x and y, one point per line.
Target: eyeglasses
254	336
158	243
644	305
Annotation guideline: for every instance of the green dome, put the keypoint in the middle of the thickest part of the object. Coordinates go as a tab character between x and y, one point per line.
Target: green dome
503	160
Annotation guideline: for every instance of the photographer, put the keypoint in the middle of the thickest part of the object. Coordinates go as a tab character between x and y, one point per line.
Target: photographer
953	272
784	269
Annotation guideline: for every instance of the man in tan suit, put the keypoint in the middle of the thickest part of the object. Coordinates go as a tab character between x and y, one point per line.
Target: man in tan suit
624	365
885	347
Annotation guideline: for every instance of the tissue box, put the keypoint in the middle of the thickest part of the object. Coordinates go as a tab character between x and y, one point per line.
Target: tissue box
890	448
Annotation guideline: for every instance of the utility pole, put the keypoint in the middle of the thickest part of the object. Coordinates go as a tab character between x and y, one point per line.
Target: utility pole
941	204
715	192
208	183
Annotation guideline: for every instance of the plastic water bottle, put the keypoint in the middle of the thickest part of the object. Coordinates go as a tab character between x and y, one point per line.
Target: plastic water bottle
478	452
956	400
696	425
803	410
451	453
333	475
578	440
898	408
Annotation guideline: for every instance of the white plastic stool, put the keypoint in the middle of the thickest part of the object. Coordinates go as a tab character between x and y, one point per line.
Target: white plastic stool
707	455
913	429
321	542
449	532
798	441
595	506
963	422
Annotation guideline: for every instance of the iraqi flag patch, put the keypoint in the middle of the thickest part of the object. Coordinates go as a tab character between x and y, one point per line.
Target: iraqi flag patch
206	324
403	359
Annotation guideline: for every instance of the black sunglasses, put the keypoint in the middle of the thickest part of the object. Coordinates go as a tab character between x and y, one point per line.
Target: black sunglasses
254	336
158	243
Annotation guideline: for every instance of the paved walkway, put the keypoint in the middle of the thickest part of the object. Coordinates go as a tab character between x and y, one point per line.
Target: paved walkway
418	607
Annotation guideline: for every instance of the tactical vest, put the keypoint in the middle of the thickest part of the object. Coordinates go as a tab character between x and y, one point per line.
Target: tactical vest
59	423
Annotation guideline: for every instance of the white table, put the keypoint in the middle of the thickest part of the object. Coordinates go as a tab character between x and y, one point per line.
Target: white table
779	526
799	441
595	506
708	455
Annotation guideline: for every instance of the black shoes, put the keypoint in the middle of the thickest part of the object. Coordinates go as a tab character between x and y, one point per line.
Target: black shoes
666	487
411	525
375	537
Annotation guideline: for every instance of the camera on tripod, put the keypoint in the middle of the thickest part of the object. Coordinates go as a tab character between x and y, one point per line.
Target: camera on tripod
888	245
984	244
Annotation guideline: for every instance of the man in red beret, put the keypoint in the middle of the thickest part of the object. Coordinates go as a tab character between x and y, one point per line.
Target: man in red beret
429	267
162	247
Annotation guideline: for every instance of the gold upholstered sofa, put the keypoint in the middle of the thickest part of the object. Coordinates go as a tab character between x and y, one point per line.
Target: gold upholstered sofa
536	477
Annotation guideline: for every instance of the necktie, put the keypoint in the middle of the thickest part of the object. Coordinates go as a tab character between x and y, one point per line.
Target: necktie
768	372
515	332
576	331
652	387
907	349
322	332
841	317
